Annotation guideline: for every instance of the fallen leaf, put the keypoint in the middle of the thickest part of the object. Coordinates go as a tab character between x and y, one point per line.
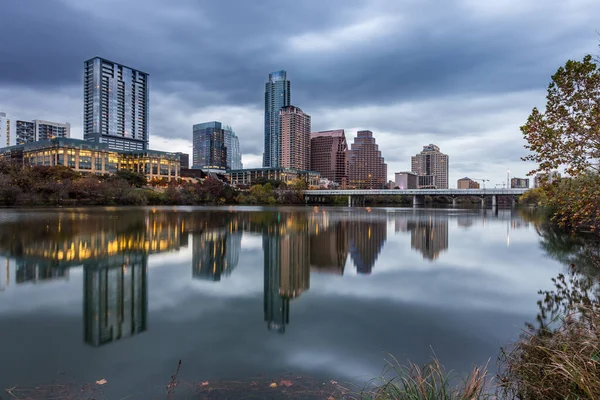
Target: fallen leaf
101	382
273	385
204	383
333	382
286	383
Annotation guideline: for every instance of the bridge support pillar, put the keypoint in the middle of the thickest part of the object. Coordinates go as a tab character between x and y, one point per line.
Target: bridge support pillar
513	201
482	202
454	202
349	201
494	201
418	200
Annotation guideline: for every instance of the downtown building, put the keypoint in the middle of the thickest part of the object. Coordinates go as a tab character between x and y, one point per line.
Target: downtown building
431	167
366	167
277	96
115	105
405	180
4	130
216	146
328	155
295	138
38	130
519	183
466	183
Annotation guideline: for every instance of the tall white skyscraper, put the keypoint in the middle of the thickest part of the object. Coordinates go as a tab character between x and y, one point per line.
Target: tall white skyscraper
115	105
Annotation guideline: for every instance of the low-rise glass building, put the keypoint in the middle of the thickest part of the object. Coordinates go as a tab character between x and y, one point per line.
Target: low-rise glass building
249	177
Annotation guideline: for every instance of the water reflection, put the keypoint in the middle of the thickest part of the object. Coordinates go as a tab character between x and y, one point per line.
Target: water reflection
113	247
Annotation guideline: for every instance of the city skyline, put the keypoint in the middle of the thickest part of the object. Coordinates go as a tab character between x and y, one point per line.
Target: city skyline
482	94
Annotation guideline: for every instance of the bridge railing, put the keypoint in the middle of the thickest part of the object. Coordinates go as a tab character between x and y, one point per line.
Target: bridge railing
411	192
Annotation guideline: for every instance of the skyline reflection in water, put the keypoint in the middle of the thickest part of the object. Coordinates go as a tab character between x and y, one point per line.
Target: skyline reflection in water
311	259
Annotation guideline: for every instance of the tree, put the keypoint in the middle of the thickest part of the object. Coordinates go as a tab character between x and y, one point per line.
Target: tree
568	132
133	178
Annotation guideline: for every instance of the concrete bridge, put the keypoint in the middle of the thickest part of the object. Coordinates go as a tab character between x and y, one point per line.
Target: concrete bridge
356	197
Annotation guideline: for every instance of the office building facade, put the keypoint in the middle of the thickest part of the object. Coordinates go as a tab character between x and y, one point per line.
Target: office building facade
405	180
328	155
46	130
466	183
277	96
116	105
249	177
366	167
295	138
210	151
431	167
236	154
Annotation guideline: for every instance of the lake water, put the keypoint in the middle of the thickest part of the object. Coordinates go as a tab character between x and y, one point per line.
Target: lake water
123	294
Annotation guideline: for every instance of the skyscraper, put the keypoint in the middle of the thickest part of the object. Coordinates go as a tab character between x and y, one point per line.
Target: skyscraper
209	146
115	105
295	138
366	167
25	132
277	96
236	154
4	129
328	155
431	167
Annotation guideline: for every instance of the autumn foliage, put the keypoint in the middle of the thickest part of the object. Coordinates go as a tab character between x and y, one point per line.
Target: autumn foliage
567	135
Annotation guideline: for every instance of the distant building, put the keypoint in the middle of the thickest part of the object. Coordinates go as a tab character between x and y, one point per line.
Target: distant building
4	130
277	96
235	161
406	180
541	178
328	155
25	132
115	105
431	167
467	183
210	151
46	130
249	177
184	160
295	138
519	183
366	167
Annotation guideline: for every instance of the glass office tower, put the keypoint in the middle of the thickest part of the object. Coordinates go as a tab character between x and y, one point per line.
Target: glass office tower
115	109
277	96
210	151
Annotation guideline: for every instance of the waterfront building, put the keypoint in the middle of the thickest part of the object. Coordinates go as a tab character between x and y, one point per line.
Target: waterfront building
95	158
519	183
295	138
235	161
431	167
405	180
210	151
249	177
115	105
277	96
25	132
328	155
466	183
4	130
366	167
46	130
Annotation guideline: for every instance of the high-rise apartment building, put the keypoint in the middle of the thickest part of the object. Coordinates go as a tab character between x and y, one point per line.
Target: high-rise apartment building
366	167
328	155
405	180
210	151
4	130
431	167
25	132
542	178
277	96
115	105
294	139
46	130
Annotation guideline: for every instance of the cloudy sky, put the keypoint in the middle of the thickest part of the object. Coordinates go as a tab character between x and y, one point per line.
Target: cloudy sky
462	74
